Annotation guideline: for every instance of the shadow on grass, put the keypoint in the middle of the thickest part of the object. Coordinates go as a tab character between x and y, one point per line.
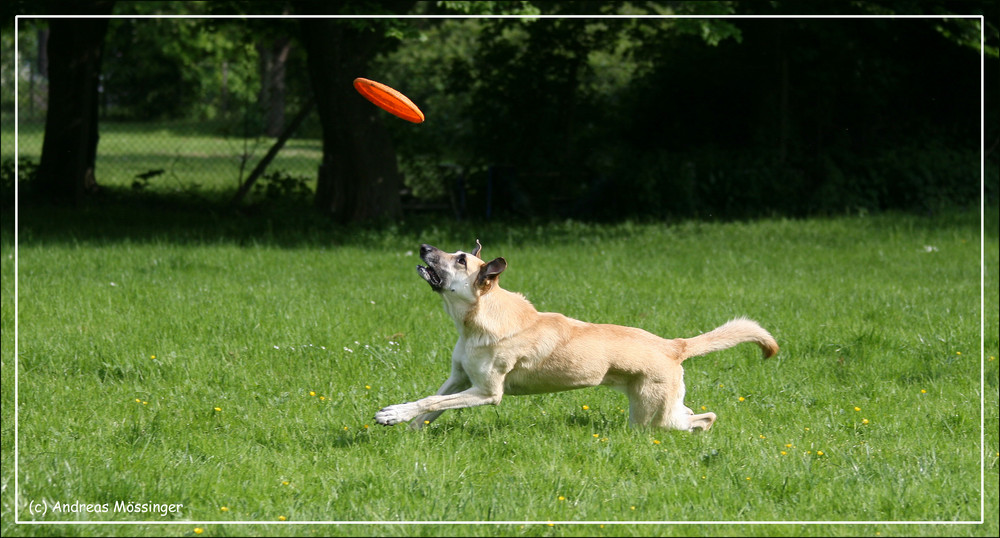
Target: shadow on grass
443	429
593	420
350	440
192	219
122	215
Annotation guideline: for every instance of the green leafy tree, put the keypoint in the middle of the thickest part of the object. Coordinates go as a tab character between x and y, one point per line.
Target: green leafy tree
359	177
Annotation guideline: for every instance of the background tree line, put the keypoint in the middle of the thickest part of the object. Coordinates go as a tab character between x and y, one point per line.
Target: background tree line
583	117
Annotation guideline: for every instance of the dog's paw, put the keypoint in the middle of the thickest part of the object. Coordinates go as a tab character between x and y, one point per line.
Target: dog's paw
389	416
702	423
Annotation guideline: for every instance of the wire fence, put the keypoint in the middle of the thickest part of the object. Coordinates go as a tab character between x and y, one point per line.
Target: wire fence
191	122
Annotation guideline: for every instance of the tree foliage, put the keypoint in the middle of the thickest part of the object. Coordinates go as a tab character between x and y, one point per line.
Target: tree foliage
730	117
647	108
202	68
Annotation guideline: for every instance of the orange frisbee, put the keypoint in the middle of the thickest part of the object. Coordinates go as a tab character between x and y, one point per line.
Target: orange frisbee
388	99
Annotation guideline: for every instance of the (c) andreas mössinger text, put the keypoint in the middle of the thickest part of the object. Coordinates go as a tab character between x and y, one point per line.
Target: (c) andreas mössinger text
118	507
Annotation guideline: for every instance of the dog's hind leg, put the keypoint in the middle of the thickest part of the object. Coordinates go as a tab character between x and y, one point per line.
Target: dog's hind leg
700	422
661	405
681	417
647	403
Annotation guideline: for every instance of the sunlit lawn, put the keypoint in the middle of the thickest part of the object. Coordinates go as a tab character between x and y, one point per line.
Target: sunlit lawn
235	369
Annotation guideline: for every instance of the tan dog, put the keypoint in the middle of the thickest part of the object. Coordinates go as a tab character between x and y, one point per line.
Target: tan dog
505	346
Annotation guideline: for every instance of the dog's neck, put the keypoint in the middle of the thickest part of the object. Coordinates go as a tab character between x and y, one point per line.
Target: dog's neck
496	315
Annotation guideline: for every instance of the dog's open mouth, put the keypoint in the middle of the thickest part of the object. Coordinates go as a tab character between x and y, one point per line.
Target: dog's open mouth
432	278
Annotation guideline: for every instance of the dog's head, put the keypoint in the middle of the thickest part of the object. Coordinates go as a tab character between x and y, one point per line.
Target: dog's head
459	274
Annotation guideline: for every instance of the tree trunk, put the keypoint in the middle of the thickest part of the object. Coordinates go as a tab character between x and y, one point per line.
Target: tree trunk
69	149
40	72
358	178
784	120
273	59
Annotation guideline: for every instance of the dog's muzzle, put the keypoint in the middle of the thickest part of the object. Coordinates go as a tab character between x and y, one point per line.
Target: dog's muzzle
427	253
430	276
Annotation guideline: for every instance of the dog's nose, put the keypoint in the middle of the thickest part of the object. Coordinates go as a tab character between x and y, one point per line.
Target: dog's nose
425	248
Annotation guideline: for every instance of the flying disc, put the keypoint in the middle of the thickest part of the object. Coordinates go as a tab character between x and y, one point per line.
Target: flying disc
388	99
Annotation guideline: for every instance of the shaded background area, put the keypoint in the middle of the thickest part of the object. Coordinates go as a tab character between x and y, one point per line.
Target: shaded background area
586	118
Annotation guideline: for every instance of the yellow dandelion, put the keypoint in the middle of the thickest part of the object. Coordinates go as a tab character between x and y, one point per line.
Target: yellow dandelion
596	435
655	442
427	422
366	426
137	400
789	445
368	387
748	478
322	398
923	391
144	402
312	393
285	482
345	428
217	409
807	429
604	439
198	530
561	498
819	452
152	356
720	385
282	518
857	409
224	509
742	398
551	524
864	421
762	436
958	352
586	407
703	408
783	453
632	507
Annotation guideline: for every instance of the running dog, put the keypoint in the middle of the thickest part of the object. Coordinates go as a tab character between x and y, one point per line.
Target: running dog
505	346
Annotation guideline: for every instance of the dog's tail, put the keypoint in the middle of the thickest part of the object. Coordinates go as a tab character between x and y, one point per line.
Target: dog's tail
728	335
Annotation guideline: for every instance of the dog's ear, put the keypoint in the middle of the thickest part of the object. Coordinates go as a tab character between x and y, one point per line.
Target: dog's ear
489	272
479	247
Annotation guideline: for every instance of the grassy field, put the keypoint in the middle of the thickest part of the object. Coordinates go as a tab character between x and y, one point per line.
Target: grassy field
193	157
233	365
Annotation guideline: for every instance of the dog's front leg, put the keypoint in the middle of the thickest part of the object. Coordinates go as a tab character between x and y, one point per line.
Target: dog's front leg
456	382
394	414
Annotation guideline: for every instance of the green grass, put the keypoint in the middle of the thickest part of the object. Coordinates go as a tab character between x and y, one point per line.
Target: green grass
195	157
136	324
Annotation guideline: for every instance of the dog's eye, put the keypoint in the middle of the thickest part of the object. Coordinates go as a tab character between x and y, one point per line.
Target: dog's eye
461	260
